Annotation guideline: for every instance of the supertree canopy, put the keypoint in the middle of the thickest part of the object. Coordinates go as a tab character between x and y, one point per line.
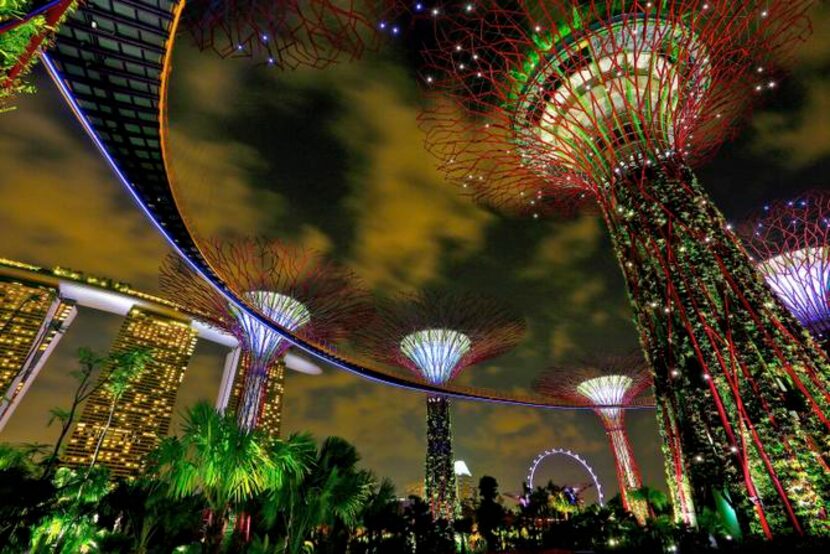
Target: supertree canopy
436	336
291	286
541	105
436	352
790	243
606	384
287	33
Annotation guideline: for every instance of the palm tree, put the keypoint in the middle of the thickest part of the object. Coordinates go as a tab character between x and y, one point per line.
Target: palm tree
126	368
332	494
656	501
145	519
382	515
225	464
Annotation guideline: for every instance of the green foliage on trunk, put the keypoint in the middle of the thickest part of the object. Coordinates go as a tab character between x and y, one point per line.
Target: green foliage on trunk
15	42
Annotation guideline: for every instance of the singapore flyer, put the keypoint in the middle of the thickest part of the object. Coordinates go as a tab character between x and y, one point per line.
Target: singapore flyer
542	456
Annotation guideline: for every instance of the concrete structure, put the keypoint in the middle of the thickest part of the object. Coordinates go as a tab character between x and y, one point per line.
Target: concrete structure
33	318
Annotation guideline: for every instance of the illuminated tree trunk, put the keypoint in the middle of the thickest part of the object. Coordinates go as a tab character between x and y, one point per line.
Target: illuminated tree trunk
744	382
268	386
676	464
253	394
440	471
628	474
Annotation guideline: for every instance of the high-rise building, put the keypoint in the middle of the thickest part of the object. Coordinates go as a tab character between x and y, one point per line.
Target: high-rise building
142	417
33	317
464	482
270	419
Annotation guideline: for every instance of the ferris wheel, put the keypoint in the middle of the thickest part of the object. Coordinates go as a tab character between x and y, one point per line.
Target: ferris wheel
568	454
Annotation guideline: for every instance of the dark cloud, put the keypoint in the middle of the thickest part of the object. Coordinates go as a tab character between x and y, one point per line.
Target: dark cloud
798	132
61	205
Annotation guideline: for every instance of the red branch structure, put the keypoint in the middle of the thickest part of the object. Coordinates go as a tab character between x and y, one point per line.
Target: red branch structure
294	287
541	105
790	242
52	13
288	33
609	380
551	98
489	327
436	336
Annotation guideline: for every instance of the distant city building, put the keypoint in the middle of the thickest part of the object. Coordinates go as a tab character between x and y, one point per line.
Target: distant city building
464	482
33	318
143	415
415	489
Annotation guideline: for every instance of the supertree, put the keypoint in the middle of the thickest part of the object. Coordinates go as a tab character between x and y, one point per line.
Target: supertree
287	33
543	105
436	336
607	384
291	286
790	243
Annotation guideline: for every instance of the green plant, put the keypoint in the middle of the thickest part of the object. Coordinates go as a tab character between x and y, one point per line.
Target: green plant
383	526
13	43
26	498
72	525
656	501
126	368
146	519
226	465
89	363
330	495
16	41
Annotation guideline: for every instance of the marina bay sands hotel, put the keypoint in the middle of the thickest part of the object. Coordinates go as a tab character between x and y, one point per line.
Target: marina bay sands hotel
38	305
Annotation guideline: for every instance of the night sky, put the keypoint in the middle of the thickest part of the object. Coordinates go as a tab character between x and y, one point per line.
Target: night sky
335	160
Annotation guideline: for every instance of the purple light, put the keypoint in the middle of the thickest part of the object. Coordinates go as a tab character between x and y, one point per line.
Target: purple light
436	352
800	279
262	341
